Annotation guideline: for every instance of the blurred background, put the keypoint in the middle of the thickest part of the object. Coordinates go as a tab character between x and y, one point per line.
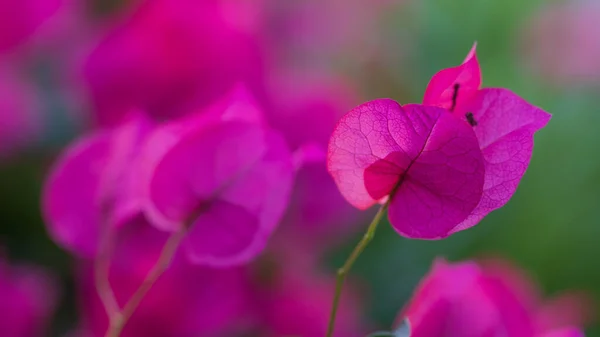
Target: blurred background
63	62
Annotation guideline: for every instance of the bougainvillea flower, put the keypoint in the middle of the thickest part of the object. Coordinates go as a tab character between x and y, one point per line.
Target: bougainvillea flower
187	300
168	58
20	19
428	159
226	176
443	165
478	300
89	186
29	297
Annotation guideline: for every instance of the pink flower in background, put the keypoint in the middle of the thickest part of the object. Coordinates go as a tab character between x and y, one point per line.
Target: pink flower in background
305	107
169	58
444	165
226	175
471	300
222	172
28	300
561	42
293	295
299	305
20	115
187	300
93	185
20	19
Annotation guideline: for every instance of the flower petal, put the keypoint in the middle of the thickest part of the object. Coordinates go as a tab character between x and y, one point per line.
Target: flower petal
444	183
71	195
428	159
237	178
506	125
452	87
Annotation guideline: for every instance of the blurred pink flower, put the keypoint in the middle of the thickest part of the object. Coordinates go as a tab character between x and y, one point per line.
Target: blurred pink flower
562	42
222	165
20	115
186	300
305	107
443	165
299	304
170	57
492	299
29	297
93	185
20	19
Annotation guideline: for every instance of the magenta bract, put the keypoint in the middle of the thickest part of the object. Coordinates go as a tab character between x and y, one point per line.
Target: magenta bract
168	58
299	305
227	176
444	165
29	296
469	299
426	158
20	19
93	186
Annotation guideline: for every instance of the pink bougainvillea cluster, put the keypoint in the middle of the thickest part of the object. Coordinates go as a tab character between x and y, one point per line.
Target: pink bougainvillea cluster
488	299
217	169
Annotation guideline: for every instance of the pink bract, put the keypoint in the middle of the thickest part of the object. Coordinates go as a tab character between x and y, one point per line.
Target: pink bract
425	158
227	177
299	306
20	19
168	58
93	186
305	107
505	125
468	299
505	130
444	165
29	297
441	88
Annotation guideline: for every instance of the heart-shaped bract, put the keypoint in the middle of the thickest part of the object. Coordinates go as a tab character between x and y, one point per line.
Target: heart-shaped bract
504	124
227	177
444	165
426	160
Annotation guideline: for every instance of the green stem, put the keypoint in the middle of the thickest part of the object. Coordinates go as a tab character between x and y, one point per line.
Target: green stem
118	321
343	271
101	273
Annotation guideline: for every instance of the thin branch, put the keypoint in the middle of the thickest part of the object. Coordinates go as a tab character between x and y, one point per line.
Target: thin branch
343	272
164	260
